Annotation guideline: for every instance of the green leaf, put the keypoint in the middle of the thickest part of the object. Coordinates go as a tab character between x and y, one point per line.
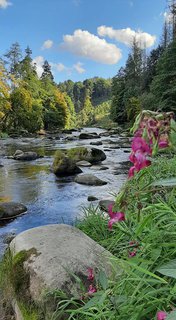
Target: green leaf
168	269
171	316
171	182
91	303
102	278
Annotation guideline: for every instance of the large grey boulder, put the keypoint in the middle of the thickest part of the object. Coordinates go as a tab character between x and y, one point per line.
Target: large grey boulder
90	180
10	210
64	166
57	252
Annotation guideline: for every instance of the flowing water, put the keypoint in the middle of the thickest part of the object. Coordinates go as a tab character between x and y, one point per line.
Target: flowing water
50	199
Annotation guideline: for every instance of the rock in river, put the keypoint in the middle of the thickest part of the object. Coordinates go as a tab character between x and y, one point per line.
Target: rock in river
90	180
10	210
64	166
83	163
85	135
96	143
92	155
25	156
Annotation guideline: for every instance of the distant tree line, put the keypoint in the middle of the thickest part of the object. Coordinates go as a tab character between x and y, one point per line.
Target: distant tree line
147	82
32	103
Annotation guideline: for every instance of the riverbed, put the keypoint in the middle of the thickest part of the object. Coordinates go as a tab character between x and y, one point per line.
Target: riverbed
50	199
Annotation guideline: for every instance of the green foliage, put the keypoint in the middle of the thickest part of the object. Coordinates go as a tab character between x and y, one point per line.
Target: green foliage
86	115
164	84
77	154
71	114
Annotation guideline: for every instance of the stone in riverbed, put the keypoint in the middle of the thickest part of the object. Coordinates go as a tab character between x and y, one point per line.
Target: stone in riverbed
92	155
10	210
104	204
91	198
90	180
55	253
96	143
99	168
25	156
64	166
85	135
83	163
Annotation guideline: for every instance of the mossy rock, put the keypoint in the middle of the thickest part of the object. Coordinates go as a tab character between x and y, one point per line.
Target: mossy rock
63	165
92	155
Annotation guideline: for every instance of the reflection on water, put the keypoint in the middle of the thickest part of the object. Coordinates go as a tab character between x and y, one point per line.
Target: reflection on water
50	199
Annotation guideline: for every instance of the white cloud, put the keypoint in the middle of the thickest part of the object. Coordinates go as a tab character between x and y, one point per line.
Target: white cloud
47	44
60	67
4	4
78	67
38	61
127	35
84	44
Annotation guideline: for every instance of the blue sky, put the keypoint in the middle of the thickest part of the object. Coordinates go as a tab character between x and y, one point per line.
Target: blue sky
80	38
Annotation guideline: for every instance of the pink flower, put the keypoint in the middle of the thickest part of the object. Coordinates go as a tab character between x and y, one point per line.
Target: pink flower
163	144
90	274
139	144
91	289
131	172
161	315
141	161
132	254
118	216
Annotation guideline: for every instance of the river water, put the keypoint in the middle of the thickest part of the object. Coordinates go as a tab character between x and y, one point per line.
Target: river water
50	199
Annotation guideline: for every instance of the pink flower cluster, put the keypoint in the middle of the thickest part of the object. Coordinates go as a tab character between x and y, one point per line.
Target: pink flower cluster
151	133
114	216
134	247
92	289
161	315
138	156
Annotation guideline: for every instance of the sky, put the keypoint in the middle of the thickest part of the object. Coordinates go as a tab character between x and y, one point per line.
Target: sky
80	38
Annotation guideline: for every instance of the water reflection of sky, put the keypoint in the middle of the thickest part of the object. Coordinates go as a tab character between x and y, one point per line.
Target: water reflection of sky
50	199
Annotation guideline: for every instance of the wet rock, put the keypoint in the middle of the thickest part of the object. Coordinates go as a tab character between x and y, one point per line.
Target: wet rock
92	155
104	204
91	198
90	180
85	135
104	134
99	168
96	143
1	165
25	156
120	171
83	163
10	210
9	237
68	131
64	166
107	149
55	253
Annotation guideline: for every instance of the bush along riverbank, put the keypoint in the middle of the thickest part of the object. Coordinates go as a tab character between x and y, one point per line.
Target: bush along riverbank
138	231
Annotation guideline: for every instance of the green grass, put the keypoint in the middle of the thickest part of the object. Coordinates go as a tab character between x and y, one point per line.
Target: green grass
143	288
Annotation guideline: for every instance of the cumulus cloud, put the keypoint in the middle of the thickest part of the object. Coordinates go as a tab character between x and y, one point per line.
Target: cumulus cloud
84	44
38	62
4	4
126	36
47	44
79	67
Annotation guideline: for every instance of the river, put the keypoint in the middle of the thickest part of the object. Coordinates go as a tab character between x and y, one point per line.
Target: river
50	199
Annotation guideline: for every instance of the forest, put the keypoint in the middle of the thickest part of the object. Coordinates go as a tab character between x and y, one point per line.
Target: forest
147	81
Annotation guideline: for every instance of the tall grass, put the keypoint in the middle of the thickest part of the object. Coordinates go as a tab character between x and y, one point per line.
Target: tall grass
148	280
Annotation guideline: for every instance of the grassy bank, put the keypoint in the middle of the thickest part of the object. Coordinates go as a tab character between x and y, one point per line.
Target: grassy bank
144	246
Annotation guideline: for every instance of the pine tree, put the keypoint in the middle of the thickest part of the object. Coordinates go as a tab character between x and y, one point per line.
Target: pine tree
13	57
47	74
163	86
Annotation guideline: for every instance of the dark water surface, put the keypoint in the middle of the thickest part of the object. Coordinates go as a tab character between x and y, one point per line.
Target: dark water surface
50	199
